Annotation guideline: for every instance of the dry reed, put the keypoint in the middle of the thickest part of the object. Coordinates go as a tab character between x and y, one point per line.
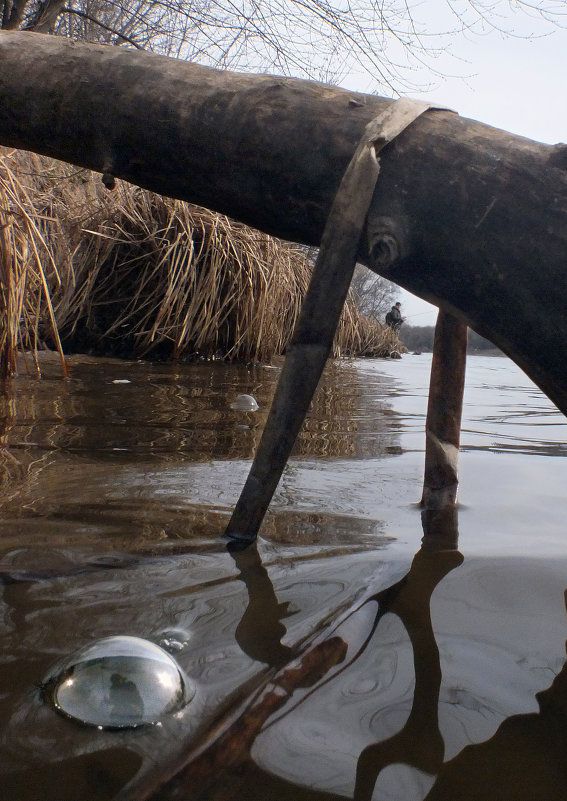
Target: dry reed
133	274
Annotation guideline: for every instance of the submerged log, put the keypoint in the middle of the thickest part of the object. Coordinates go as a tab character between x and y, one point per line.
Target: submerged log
228	742
468	217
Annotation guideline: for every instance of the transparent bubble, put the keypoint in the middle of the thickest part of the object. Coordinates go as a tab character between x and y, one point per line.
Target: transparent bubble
119	682
173	640
244	403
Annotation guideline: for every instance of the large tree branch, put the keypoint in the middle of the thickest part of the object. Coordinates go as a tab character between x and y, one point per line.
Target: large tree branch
469	217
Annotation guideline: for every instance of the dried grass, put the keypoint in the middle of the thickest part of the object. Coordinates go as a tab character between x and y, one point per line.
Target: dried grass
134	274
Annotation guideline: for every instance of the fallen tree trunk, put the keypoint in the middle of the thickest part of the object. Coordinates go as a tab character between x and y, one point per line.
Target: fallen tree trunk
469	217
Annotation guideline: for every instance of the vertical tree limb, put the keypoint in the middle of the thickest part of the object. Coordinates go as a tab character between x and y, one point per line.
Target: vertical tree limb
444	411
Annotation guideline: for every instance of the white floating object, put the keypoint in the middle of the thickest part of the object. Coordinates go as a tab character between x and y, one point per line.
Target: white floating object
119	682
121	381
244	403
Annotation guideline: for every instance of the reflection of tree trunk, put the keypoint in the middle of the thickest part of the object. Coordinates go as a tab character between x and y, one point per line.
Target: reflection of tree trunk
526	758
221	759
479	216
419	743
260	630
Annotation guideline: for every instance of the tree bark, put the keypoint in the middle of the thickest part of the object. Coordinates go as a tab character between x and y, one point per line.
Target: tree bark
444	411
468	217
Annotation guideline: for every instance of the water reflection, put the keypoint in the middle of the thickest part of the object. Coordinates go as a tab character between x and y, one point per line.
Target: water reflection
419	743
260	630
116	493
357	699
524	759
90	459
245	617
167	409
96	777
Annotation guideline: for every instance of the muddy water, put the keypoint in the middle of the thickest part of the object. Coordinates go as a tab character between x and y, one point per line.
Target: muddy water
339	659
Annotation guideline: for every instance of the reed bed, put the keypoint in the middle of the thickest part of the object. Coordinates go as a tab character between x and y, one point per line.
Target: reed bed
133	274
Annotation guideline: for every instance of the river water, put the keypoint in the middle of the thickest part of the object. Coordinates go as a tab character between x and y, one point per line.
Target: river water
339	659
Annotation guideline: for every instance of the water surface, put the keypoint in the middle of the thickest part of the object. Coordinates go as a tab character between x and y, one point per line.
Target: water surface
338	659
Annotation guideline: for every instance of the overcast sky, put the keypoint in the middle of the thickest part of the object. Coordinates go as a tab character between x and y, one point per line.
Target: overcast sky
517	84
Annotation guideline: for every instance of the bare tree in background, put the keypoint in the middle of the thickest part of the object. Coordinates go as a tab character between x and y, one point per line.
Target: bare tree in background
373	294
321	39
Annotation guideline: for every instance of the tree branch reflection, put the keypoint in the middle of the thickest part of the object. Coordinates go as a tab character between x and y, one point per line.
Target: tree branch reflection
260	630
525	759
419	743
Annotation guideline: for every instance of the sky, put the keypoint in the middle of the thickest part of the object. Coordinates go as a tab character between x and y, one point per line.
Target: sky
514	83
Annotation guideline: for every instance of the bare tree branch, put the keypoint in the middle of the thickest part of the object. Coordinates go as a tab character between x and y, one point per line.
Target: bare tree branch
386	39
119	34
